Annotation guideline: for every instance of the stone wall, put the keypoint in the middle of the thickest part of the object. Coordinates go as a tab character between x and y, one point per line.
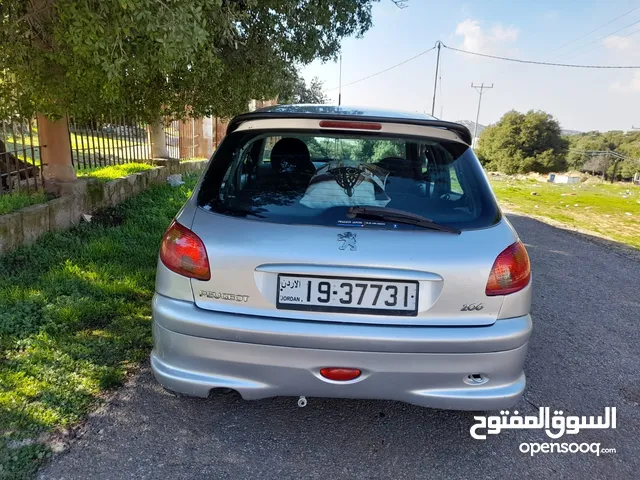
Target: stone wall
83	196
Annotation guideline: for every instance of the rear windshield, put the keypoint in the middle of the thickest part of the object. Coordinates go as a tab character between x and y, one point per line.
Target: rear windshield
315	178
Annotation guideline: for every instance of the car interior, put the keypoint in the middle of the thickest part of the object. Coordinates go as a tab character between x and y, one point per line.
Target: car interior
279	170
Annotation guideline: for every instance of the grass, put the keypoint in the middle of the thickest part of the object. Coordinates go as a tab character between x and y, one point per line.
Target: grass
105	174
81	141
611	211
10	202
75	319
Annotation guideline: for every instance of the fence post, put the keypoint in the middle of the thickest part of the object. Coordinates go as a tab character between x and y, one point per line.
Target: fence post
185	133
204	132
158	140
55	149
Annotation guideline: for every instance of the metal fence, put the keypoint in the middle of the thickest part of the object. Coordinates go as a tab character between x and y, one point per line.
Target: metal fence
104	142
172	138
189	139
20	161
181	138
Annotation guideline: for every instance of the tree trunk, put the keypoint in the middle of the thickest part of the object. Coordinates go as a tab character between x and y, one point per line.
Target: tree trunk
56	151
615	167
158	140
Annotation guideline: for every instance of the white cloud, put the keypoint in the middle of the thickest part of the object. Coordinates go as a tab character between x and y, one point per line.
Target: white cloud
617	42
631	87
476	39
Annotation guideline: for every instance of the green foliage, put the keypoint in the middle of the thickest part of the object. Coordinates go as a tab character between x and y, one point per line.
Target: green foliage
627	144
75	319
318	148
295	90
153	57
388	148
10	202
105	174
521	143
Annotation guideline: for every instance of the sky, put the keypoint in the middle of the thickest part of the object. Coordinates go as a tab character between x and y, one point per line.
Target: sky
540	30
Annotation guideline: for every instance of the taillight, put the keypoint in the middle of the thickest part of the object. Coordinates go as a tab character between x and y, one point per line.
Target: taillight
511	271
350	125
183	252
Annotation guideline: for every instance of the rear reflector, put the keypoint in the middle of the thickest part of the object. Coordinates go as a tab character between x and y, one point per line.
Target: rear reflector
511	271
183	252
351	125
340	374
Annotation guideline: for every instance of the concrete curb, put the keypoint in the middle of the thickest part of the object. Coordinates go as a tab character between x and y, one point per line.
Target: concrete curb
85	196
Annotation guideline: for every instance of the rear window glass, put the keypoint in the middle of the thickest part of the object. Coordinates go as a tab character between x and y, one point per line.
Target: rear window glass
316	177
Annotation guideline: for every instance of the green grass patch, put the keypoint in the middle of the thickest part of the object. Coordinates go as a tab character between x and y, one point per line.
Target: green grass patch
105	174
611	211
10	202
102	143
75	318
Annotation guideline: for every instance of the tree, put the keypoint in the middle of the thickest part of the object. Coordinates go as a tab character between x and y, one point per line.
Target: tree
521	143
295	90
628	168
626	144
598	164
151	58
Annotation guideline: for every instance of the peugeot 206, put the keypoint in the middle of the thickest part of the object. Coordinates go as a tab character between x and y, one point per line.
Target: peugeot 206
343	252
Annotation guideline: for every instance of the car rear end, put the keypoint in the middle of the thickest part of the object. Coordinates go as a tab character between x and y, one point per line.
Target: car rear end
281	276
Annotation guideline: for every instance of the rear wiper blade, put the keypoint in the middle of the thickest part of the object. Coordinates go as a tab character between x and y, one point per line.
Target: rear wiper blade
399	216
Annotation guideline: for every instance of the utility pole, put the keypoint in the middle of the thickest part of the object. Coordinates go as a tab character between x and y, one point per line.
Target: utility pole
435	82
480	88
340	83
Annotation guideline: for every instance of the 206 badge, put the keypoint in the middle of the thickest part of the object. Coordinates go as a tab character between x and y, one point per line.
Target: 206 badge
348	240
471	306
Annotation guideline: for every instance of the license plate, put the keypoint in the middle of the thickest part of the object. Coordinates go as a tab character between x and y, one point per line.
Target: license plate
349	295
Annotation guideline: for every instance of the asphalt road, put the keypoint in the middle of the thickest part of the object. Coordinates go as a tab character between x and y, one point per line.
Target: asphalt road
584	356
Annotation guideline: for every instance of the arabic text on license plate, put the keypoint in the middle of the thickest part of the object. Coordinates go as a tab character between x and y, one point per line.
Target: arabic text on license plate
353	295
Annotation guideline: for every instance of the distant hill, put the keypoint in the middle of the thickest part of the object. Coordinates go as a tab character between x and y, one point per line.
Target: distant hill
471	125
570	132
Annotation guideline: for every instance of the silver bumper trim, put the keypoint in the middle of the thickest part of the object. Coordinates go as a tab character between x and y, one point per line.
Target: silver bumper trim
186	318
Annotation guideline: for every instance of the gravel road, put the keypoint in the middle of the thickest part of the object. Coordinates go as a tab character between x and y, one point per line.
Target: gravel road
584	356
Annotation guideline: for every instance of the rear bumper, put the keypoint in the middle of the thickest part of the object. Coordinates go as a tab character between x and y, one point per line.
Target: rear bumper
430	372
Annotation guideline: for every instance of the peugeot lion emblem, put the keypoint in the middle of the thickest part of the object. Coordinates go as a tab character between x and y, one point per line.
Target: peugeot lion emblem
348	239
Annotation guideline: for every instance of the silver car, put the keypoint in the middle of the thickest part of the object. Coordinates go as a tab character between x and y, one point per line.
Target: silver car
339	252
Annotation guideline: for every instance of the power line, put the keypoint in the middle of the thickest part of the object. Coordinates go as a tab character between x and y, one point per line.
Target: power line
401	4
599	38
551	64
594	30
435	81
480	88
383	71
608	44
496	57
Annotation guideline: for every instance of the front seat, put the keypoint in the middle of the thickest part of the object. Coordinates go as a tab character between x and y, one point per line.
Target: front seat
291	156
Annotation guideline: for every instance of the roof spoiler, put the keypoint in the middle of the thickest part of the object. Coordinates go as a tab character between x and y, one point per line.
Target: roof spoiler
463	132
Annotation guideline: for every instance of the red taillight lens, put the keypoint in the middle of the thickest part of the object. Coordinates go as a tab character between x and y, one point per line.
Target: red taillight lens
340	374
511	271
183	252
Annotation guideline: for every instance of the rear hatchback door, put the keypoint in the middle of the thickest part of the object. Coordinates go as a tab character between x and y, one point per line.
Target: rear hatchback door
275	217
